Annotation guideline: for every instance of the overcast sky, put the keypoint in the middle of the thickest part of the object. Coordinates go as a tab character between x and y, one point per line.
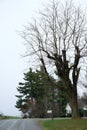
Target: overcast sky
13	15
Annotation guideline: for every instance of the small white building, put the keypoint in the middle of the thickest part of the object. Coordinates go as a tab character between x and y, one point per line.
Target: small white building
81	105
68	109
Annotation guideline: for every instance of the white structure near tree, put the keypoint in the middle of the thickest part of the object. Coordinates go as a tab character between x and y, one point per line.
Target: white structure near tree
68	109
81	105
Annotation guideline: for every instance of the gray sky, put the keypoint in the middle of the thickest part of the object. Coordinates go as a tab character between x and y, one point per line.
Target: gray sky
13	15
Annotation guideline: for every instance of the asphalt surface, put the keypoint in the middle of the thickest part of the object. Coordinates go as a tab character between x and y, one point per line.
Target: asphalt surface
20	124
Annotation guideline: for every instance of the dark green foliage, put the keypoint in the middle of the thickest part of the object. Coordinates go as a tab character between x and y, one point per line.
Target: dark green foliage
83	113
62	99
32	87
32	91
37	95
62	102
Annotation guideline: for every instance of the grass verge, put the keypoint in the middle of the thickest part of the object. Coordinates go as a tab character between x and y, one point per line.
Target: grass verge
8	117
65	124
12	117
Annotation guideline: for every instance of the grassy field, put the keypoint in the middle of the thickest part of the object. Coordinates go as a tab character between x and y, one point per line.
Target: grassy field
65	124
12	117
8	117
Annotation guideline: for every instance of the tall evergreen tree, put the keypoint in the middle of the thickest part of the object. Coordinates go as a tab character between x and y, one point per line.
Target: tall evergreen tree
38	95
34	89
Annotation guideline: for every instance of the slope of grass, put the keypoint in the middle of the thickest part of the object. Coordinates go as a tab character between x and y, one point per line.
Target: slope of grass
8	117
65	124
12	117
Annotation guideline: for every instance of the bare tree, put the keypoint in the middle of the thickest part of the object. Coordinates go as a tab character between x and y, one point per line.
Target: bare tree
59	39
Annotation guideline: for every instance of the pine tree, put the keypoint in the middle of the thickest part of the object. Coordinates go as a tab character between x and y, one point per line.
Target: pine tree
32	92
37	95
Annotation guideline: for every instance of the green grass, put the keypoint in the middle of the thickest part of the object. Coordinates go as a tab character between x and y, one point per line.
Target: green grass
12	117
9	117
65	124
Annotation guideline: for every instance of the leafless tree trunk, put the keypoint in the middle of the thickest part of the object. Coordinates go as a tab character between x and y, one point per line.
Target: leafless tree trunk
59	39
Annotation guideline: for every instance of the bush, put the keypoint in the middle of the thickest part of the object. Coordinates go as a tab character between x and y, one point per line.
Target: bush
1	116
82	112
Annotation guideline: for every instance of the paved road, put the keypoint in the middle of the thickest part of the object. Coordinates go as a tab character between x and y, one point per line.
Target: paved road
20	124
